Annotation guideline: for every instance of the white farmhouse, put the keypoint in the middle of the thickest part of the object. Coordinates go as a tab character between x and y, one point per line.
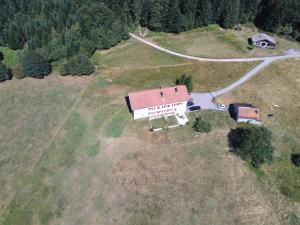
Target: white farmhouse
160	102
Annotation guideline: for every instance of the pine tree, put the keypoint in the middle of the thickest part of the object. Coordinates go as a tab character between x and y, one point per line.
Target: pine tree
174	17
186	80
5	73
78	65
135	11
230	15
1	57
34	65
157	14
188	10
145	13
15	36
204	14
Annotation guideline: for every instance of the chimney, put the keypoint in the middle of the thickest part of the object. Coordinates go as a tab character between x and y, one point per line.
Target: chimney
162	95
176	90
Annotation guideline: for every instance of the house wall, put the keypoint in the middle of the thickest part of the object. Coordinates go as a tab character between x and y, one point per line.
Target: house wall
252	121
265	44
156	111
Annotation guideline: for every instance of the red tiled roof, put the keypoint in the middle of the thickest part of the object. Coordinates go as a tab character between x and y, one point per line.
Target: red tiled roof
249	112
157	97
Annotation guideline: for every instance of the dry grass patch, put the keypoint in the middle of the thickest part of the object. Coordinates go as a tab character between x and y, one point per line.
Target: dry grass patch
279	84
30	112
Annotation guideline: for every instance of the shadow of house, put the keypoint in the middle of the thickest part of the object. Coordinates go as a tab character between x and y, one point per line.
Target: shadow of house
128	104
232	111
250	41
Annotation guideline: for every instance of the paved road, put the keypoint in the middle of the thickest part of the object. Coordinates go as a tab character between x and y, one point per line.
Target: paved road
206	100
243	79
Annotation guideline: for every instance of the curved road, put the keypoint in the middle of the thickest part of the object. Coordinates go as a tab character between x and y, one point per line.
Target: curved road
205	100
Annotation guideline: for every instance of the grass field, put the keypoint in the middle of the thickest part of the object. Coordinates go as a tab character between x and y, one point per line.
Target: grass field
72	153
132	54
277	85
213	41
205	75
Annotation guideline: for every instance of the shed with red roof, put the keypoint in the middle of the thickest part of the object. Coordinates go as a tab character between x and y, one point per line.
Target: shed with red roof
246	113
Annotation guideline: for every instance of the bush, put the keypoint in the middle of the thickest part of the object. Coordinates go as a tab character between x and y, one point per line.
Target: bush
34	65
56	50
186	80
252	143
18	73
202	126
5	73
78	65
296	159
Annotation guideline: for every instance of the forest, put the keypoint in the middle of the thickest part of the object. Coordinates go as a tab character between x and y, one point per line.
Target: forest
61	29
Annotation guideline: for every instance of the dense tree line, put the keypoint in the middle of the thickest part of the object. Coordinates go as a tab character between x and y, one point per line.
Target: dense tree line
86	25
61	29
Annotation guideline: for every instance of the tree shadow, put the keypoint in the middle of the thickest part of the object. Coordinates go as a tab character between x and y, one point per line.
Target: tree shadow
234	140
295	158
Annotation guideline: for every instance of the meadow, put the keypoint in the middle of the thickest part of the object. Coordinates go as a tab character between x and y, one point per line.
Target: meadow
71	152
215	42
276	92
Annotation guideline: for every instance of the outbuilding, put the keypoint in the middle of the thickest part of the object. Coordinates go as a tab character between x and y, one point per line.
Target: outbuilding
167	101
263	41
245	113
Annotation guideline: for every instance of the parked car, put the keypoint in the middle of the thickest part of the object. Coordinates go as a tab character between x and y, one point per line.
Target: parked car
290	51
195	108
190	103
222	106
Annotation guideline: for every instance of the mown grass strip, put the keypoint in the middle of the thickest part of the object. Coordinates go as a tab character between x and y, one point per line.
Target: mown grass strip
40	197
118	123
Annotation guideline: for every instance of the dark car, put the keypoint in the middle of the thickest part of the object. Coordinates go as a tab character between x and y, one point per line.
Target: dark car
190	103
195	108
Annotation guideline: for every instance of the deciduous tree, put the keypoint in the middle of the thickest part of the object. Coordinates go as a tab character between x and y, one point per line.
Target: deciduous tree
252	143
